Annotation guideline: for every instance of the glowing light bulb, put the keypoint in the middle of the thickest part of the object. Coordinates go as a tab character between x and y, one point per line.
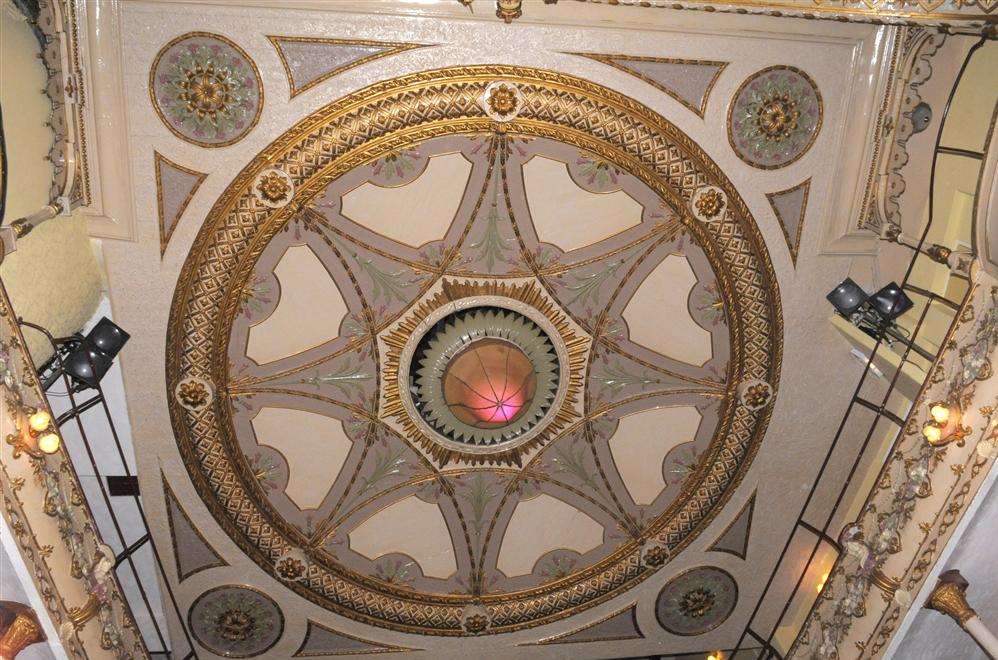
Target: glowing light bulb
39	421
939	413
716	655
933	434
49	443
821	584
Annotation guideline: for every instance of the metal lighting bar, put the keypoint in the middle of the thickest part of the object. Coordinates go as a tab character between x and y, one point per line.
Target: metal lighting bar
126	556
880	411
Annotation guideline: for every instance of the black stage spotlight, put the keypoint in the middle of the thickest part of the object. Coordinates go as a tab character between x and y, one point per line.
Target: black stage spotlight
107	337
87	364
847	298
890	302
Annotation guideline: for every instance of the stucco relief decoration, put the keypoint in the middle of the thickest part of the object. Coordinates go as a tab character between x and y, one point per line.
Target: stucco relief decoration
755	394
206	89
474	369
236	622
501	100
697	601
273	188
709	203
920	495
774	117
194	393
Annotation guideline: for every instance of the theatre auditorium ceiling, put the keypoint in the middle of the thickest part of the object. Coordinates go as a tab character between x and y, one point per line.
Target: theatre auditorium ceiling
486	339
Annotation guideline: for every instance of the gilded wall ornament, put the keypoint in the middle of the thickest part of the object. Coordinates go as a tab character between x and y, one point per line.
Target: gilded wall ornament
755	394
501	101
399	290
708	203
274	188
235	621
774	117
206	89
194	393
697	601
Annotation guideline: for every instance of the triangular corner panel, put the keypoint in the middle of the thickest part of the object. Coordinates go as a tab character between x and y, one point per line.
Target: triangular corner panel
687	81
616	627
734	539
190	549
175	187
322	641
308	61
790	205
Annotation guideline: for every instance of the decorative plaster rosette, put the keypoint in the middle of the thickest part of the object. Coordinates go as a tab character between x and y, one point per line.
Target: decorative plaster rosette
206	89
708	203
351	134
501	101
235	621
194	393
274	188
696	601
774	117
755	394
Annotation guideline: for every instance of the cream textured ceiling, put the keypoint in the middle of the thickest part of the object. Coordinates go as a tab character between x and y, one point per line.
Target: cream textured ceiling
356	247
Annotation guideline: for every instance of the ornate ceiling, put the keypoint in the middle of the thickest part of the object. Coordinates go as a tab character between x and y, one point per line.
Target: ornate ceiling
501	333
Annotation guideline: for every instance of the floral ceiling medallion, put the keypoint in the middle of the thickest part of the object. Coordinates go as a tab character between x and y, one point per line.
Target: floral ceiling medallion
774	117
274	188
709	203
194	393
696	601
489	263
206	89
501	101
483	372
235	621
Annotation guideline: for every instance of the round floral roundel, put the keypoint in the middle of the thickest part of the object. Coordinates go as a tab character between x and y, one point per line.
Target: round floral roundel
236	622
775	117
206	89
696	601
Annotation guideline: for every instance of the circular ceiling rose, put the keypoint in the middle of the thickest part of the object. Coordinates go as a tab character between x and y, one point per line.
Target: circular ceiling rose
775	117
400	401
206	89
235	621
696	601
484	376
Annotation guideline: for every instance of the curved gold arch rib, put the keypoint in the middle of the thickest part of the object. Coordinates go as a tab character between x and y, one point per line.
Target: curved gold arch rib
397	113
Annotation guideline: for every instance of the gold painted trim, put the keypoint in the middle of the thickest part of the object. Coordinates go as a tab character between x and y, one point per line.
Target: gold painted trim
390	118
158	161
392	48
312	625
747	508
867	12
555	639
792	244
155	104
609	60
169	495
814	134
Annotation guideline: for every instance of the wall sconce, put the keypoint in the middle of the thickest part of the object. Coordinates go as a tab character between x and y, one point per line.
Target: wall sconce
943	425
40	430
822	582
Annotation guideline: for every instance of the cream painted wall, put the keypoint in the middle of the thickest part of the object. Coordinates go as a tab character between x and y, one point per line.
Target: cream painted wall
53	278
